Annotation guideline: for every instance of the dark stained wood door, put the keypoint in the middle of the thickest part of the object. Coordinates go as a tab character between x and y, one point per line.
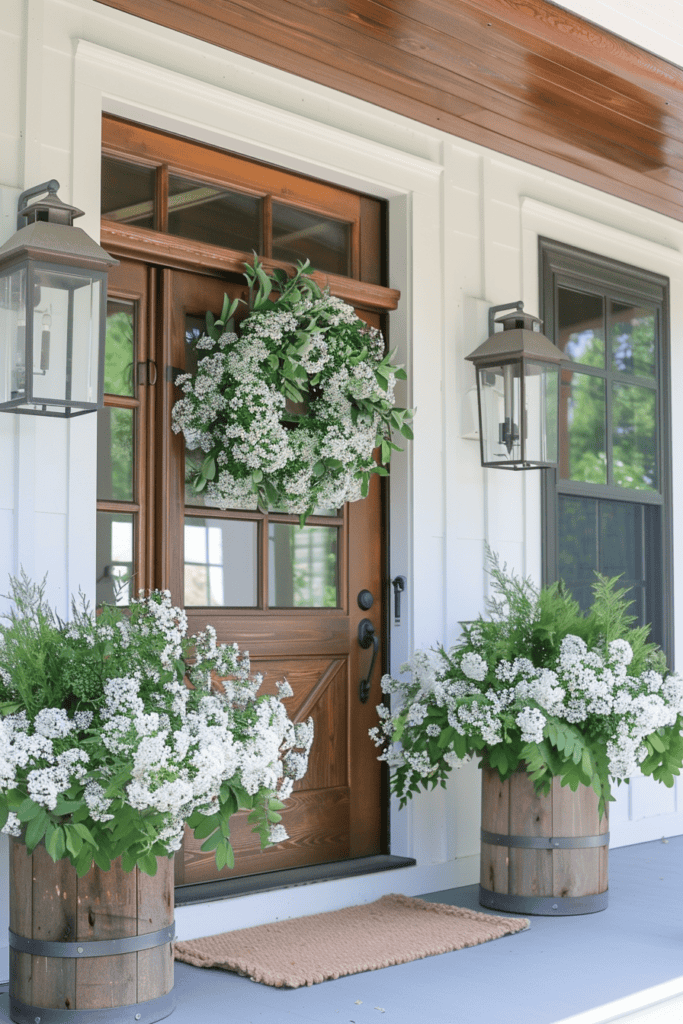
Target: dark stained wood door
288	596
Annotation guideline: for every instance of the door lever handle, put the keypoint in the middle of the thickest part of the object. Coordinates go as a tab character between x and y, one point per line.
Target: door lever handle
366	638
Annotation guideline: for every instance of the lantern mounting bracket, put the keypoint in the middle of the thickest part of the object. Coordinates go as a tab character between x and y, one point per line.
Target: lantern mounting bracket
519	306
52	186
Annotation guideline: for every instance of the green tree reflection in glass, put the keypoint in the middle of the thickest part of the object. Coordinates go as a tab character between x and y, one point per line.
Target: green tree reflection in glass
119	353
581	330
583	401
634	437
634	339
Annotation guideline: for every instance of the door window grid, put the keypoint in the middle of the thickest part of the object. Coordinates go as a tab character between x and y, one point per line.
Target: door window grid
117	506
241	220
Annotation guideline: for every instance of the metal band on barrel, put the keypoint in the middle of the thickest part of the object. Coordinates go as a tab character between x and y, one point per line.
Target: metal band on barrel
133	1013
545	842
102	947
548	906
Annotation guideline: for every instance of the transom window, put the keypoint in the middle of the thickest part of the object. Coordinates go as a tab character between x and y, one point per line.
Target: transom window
263	209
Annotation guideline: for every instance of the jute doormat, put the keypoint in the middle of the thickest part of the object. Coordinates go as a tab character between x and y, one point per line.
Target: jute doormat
307	950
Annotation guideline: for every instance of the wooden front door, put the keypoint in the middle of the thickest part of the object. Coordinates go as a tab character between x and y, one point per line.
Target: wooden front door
287	595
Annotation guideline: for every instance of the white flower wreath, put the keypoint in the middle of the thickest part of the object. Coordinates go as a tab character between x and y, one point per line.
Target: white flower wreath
288	412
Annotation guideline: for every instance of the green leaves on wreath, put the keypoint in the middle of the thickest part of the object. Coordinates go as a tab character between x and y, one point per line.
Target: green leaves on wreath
216	327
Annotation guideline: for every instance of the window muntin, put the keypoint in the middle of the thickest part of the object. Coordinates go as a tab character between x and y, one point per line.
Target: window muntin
232	202
608	392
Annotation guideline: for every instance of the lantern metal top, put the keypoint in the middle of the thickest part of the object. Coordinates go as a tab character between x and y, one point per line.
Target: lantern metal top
50	235
516	341
50	209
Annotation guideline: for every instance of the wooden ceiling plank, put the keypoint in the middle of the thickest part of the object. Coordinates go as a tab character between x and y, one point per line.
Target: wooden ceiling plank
456	42
343	68
543	21
560	103
235	31
407	72
475	22
565	148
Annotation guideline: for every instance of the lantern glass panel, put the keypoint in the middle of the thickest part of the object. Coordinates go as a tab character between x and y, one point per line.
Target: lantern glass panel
541	386
66	324
500	402
13	335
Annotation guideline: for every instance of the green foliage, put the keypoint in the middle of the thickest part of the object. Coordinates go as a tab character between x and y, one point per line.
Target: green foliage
538	685
314	386
78	703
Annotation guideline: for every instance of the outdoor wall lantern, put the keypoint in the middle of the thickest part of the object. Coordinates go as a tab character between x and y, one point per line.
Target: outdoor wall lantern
53	289
518	372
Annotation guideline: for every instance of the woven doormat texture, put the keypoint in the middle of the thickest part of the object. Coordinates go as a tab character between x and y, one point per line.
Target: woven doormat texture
307	950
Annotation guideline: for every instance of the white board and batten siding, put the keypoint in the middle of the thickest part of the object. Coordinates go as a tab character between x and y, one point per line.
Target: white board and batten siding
464	224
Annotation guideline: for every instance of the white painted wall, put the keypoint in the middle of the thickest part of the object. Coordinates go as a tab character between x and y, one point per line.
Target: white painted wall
463	227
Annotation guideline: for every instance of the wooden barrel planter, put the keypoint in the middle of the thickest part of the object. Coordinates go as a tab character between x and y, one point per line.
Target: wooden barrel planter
91	950
542	855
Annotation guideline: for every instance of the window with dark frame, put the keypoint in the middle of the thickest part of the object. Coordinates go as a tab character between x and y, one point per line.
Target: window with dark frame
607	507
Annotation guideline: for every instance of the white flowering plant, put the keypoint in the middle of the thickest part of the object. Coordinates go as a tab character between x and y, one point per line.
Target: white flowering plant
539	686
117	729
285	411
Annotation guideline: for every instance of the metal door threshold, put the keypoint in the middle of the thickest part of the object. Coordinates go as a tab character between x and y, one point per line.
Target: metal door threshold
227	888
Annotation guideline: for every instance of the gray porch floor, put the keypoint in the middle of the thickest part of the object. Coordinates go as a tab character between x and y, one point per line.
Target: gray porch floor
559	967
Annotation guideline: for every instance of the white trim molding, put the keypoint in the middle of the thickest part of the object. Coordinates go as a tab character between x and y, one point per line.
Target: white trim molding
109	81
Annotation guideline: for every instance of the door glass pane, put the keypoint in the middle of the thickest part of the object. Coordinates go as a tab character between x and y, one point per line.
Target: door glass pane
119	354
209	213
298	235
194	329
115	454
128	192
303	569
634	437
580	327
221	563
582	428
633	333
114	558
